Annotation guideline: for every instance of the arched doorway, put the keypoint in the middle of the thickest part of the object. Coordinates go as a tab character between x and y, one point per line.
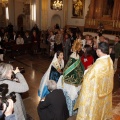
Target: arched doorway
56	20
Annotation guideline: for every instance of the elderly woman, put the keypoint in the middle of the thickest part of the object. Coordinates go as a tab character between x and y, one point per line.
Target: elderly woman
20	86
54	106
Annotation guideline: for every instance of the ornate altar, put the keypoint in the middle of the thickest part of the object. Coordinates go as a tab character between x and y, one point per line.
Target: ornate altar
106	12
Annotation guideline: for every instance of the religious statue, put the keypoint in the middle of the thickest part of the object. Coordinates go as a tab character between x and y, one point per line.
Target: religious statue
78	8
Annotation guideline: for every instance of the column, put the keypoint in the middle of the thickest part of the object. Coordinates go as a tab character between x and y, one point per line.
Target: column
116	10
0	7
38	14
44	15
91	9
65	13
11	9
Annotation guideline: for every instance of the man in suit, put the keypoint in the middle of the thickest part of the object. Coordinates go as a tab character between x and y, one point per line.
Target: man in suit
27	38
13	37
53	106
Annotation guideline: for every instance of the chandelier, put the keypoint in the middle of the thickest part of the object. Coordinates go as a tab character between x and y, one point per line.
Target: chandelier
5	2
57	5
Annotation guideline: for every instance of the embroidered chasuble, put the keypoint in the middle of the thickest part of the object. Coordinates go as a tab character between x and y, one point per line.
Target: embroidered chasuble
95	99
73	72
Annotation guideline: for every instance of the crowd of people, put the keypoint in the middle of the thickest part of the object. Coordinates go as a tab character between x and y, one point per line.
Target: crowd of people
10	38
86	78
79	79
87	90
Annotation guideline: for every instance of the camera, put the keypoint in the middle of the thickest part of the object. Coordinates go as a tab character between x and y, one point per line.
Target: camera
4	97
22	70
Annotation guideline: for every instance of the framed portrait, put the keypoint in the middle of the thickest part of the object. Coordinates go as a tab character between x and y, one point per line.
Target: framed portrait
78	8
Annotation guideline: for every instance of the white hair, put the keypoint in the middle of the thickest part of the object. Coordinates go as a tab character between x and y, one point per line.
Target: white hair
51	85
4	69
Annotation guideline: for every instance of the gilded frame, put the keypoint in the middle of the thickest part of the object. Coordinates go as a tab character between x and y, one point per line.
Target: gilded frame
78	8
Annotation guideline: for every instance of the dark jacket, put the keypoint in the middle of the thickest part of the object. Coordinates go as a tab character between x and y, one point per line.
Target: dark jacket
27	39
13	37
117	50
54	107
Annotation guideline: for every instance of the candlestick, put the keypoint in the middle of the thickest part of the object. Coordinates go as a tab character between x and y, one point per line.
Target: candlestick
113	23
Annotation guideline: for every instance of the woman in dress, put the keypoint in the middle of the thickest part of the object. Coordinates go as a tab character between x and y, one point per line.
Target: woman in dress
53	73
71	80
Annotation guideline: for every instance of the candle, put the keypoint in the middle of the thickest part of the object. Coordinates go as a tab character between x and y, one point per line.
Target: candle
113	23
119	24
116	23
88	22
94	21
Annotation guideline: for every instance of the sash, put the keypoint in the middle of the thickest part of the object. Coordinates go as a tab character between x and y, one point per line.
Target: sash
72	67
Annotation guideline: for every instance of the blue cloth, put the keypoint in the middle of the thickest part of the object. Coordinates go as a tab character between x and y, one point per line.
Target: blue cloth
10	117
45	92
70	104
54	74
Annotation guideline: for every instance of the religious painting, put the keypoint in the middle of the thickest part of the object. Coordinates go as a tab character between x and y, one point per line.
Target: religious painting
78	8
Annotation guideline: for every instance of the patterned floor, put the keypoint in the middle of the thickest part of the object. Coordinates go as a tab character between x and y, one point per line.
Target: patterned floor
116	105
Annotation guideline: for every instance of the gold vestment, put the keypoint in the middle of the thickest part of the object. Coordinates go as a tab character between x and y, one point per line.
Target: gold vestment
95	99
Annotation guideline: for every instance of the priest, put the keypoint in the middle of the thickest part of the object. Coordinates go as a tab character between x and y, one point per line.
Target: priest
95	99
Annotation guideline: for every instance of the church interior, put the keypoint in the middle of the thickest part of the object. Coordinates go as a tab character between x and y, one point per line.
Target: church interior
22	16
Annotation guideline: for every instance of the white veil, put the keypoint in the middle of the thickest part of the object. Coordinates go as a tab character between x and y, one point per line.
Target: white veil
45	77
